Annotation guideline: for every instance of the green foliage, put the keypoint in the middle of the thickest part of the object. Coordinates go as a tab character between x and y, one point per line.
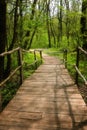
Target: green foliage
29	63
71	61
40	40
83	65
9	90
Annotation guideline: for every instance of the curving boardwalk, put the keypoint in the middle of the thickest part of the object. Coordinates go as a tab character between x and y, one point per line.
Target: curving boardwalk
48	100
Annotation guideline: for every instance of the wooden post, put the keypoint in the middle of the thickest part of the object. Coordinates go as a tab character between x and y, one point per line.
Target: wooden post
20	64
35	58
0	101
65	57
77	64
41	55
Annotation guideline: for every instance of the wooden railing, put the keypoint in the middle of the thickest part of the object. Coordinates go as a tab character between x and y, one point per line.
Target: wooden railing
20	64
18	50
78	73
35	55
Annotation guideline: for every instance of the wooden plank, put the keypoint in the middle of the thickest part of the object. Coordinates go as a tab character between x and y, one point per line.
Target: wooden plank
48	100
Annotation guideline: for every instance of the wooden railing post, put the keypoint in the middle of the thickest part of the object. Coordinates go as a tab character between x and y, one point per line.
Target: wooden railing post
41	55
0	101
65	57
77	65
20	64
35	58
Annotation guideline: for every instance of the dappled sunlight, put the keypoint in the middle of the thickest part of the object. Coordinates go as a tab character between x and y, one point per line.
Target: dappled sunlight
47	100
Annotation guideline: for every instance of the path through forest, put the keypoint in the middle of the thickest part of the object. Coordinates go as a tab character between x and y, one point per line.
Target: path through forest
47	100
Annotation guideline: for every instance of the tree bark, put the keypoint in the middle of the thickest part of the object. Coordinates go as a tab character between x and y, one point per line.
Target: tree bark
3	36
60	23
60	20
15	26
67	20
8	67
21	22
84	24
48	23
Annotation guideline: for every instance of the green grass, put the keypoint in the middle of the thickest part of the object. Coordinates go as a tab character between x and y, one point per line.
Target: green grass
71	61
29	65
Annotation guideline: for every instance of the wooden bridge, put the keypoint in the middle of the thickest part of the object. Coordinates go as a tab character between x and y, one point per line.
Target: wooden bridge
48	100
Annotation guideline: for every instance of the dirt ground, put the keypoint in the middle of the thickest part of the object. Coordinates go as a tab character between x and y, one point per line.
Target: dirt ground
83	91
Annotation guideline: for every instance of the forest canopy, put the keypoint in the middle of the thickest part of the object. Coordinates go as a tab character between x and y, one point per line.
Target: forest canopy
42	24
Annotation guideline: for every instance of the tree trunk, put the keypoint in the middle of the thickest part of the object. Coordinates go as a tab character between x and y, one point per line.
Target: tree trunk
84	24
8	67
28	33
48	23
32	36
60	23
15	26
60	20
67	20
3	36
21	22
53	32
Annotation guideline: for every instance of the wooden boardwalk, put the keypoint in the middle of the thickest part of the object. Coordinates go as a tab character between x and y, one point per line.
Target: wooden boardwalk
48	100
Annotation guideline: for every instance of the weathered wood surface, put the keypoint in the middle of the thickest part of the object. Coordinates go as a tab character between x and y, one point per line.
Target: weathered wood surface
48	100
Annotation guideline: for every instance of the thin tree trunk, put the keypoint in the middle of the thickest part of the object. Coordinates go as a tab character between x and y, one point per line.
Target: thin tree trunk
60	21
21	22
53	32
60	24
48	23
32	36
67	20
28	33
8	68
